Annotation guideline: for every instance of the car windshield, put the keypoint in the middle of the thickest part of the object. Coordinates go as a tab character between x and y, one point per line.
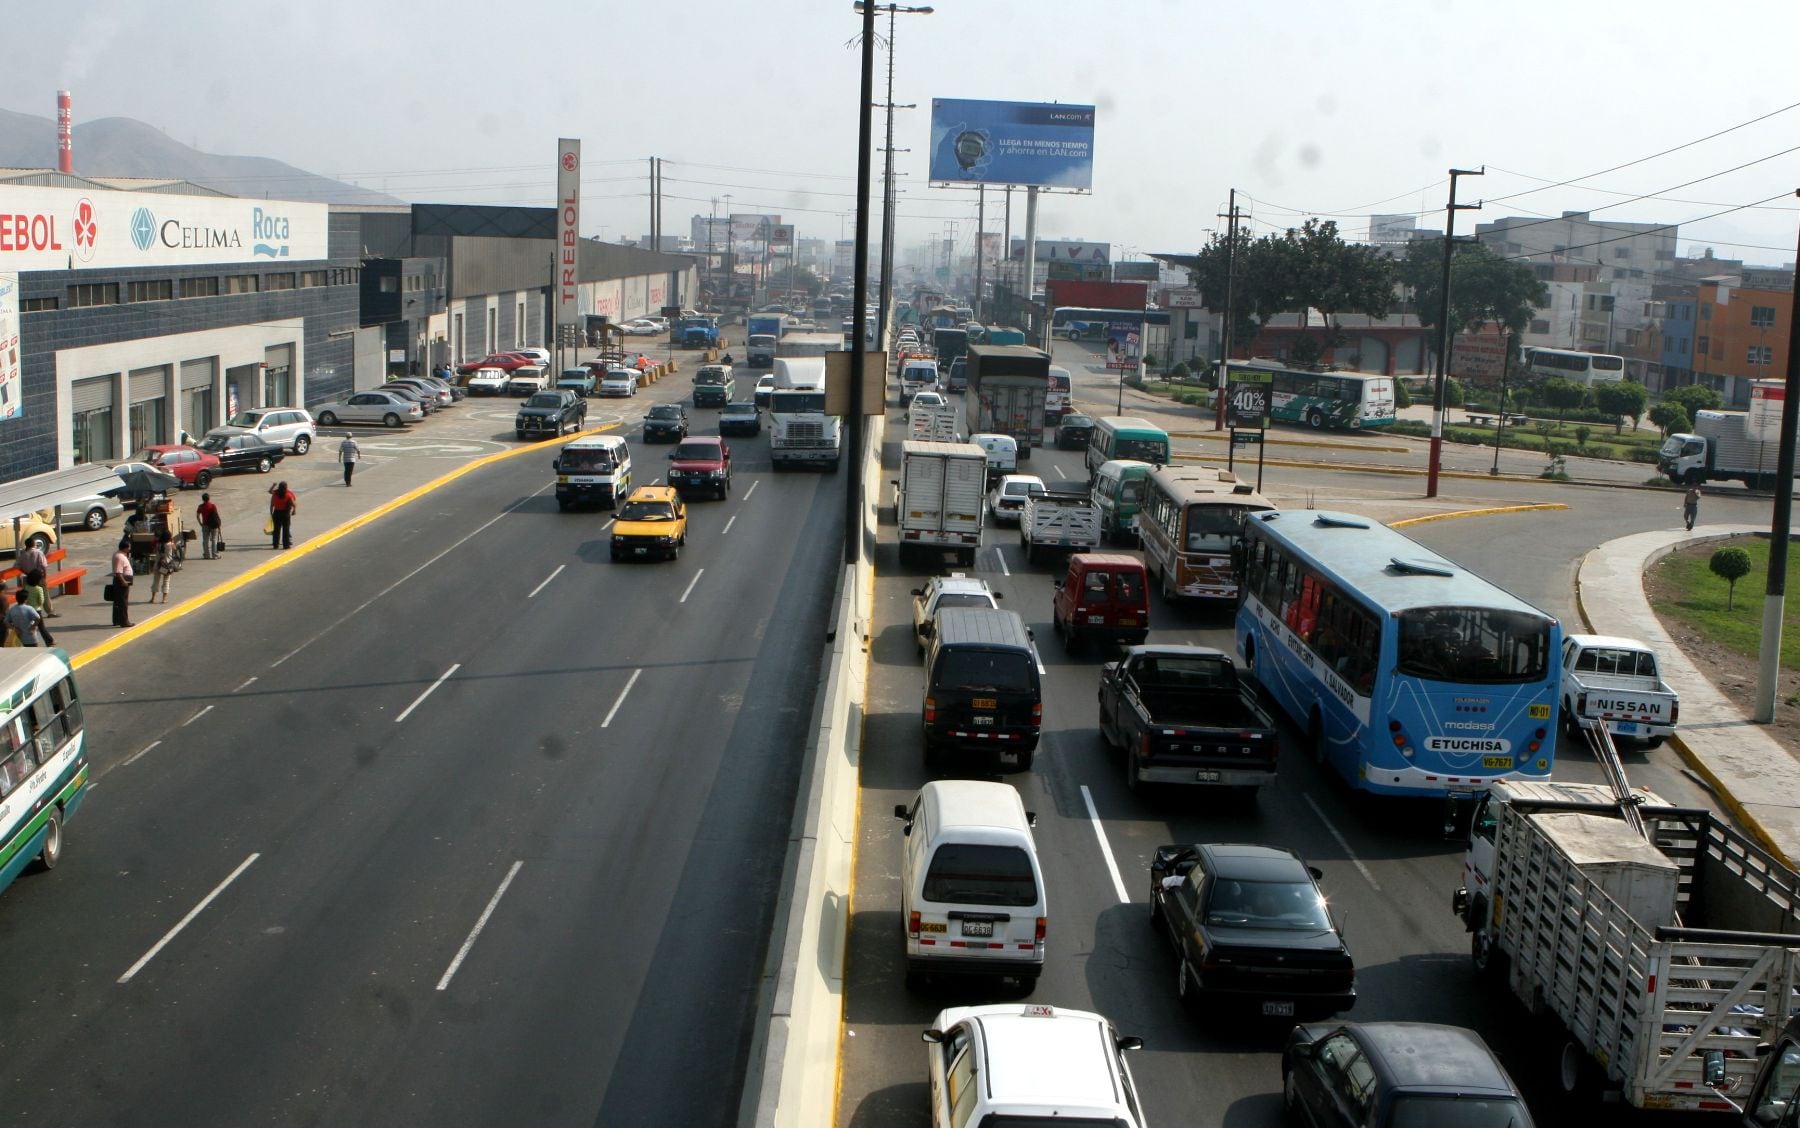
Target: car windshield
585	461
963	873
1214	528
1143	450
697	450
1474	644
647	511
964	599
1267	904
246	419
1002	670
619	377
739	409
665	411
544	399
710	376
1423	1110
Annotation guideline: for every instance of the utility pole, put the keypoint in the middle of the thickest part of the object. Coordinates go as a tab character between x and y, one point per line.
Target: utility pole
1222	383
854	427
1006	253
1775	594
1443	352
980	226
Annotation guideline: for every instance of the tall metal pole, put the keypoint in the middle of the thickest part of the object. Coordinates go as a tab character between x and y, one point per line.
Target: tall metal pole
887	187
1443	351
1775	594
859	324
980	226
1007	273
1223	379
1030	279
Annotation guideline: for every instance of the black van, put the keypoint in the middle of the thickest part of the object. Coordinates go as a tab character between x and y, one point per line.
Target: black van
981	688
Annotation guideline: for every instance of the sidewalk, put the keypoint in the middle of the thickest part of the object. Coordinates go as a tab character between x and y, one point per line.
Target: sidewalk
1753	776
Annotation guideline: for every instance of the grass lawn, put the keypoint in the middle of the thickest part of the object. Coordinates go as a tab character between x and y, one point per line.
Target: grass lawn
1699	601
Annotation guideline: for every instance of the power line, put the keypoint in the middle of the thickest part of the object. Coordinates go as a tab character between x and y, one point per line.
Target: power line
1617	192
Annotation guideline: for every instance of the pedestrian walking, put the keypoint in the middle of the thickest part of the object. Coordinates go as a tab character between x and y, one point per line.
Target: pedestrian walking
165	566
212	528
1690	507
24	619
121	584
348	454
34	566
282	506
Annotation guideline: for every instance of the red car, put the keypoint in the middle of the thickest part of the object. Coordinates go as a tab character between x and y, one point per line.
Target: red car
506	362
191	467
701	464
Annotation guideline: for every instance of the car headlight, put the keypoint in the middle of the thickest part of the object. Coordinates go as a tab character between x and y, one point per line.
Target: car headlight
666	540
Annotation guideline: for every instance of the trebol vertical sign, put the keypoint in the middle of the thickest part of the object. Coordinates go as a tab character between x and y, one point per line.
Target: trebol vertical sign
568	231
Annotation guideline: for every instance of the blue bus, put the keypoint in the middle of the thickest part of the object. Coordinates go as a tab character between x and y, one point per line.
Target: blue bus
1409	674
1078	324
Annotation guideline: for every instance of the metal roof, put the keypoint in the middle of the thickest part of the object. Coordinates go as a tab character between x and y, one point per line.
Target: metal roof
47	491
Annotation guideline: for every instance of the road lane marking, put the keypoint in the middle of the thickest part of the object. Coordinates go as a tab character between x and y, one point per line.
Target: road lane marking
248	682
1059	472
420	699
629	682
481	923
727	530
1112	867
186	920
752	489
691	583
1001	556
1344	845
546	582
139	755
609	524
197	716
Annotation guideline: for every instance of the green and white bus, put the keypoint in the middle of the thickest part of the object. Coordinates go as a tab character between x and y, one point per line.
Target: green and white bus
1328	399
43	757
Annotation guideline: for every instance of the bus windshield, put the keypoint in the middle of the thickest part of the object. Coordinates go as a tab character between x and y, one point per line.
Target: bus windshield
1213	528
1474	644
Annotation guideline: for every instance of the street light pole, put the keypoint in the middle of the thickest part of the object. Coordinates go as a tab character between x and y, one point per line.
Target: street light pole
1775	593
887	175
851	452
1443	352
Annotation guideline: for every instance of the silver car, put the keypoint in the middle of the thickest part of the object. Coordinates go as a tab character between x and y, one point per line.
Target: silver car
391	409
439	395
291	427
91	512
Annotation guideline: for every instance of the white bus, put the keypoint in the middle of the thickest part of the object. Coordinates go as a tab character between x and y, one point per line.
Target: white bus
1577	367
43	757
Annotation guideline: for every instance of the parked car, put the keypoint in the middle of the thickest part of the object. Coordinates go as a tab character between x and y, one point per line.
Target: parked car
954	590
291	427
90	512
1392	1074
1012	1063
527	381
549	412
1007	499
701	463
540	357
241	452
190	467
488	381
433	394
765	389
652	522
640	327
505	362
581	381
1073	431
666	423
389	408
426	401
740	419
619	382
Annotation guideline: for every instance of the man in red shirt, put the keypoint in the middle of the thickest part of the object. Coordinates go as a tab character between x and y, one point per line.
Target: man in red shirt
211	527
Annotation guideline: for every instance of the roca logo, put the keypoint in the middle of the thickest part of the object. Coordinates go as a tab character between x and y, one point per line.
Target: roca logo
143	229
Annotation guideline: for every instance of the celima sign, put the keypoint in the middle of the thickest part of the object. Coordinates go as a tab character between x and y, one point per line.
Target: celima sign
76	228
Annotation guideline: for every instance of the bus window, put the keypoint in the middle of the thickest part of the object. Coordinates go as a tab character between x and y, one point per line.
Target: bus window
1154	451
1213	528
1473	645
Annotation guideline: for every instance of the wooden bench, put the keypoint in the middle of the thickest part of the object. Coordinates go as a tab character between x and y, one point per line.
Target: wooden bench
1486	419
65	581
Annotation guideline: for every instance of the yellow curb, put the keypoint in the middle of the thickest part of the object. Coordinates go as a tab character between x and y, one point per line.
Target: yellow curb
130	634
1489	512
1224	436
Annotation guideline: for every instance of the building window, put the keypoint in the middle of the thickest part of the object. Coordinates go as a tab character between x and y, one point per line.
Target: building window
38	305
282	281
1618	274
147	418
150	290
1706	312
311	278
388	284
346	276
1665	254
1761	354
93	436
1762	317
242	284
1705	343
207	287
1622	252
1540	326
93	294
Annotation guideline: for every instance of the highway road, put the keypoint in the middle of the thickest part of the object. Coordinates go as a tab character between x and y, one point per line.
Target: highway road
451	821
1388	869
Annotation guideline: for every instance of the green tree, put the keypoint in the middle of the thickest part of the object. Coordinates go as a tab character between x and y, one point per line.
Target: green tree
1402	397
1694	398
1562	395
1730	565
1485	289
1671	417
1209	276
1333	276
1625	400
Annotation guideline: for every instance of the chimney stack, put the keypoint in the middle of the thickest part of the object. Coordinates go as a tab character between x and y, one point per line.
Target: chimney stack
65	133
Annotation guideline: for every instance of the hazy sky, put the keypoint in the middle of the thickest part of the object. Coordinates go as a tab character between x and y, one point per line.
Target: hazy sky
1305	107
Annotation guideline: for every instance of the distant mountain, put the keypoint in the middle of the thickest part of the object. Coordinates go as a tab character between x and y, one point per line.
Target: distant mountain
120	146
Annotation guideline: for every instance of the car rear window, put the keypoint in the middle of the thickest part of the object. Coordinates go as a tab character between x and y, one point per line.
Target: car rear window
964	873
1425	1111
963	599
1005	670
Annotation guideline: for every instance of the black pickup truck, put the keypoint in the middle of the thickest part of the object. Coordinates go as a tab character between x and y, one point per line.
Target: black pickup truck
1180	714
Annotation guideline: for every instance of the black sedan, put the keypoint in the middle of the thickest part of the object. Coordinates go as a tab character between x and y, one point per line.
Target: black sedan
740	419
1383	1074
1249	925
237	453
1074	431
666	423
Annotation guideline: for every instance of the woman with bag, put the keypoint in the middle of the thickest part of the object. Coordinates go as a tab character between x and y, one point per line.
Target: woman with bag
282	506
165	566
119	591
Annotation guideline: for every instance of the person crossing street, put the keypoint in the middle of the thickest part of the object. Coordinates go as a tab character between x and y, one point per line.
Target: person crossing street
349	453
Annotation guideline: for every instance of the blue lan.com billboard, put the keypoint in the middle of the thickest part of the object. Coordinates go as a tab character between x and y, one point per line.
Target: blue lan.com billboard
979	142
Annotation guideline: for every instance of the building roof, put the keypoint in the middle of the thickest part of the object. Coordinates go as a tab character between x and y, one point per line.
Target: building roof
54	178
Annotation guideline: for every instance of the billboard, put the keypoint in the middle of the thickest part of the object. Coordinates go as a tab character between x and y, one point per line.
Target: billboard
81	228
1097	295
1136	272
1389	229
750	233
567	276
1073	250
1479	356
10	391
781	239
1122	340
1029	143
1183	299
1247	397
1767	398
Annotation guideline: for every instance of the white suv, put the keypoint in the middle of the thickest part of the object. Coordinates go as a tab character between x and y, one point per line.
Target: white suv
291	427
1041	1064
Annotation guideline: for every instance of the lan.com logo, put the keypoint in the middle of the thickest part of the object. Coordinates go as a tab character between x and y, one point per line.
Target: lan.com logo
143	228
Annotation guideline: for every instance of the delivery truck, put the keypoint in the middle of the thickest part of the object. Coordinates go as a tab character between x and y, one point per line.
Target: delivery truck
1007	386
1720	449
940	498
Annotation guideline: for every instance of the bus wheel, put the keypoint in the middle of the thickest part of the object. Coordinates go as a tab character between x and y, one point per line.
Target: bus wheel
53	840
1315	419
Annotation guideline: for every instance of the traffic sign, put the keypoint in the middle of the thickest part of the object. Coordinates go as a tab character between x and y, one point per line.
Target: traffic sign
1246	438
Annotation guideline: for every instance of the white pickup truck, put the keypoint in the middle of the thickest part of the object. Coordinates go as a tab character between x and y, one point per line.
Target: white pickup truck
1615	682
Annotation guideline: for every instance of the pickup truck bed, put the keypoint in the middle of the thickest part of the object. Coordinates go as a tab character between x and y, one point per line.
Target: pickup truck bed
1180	715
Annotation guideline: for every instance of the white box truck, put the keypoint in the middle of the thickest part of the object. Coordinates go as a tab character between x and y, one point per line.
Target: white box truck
1720	449
940	498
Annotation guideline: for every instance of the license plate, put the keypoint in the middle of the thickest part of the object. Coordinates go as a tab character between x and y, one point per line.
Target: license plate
1278	1009
640	550
932	926
1207	775
1625	728
978	928
986	703
1538	712
1496	761
1094	620
984	720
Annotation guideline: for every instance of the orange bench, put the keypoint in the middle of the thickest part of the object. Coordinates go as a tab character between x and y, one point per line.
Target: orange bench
68	580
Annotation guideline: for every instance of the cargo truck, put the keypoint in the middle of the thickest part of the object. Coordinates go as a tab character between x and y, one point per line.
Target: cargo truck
940	497
1007	386
1720	449
1060	519
762	335
1663	942
800	433
950	344
933	421
697	332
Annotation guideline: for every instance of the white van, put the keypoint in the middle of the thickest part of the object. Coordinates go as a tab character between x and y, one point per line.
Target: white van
592	470
918	376
1002	454
971	890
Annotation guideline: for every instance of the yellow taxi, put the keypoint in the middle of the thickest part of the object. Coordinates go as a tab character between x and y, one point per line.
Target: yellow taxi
651	523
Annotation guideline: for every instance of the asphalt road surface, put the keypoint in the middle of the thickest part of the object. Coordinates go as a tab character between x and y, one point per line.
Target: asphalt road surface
451	822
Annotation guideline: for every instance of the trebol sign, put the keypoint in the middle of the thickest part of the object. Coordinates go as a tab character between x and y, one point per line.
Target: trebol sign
71	229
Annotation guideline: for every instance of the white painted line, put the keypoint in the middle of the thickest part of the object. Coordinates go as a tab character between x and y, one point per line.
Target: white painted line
752	489
420	699
609	524
727	529
140	753
546	582
366	604
1112	867
1001	557
186	920
1059	472
248	682
629	682
690	587
1348	853
197	716
481	923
